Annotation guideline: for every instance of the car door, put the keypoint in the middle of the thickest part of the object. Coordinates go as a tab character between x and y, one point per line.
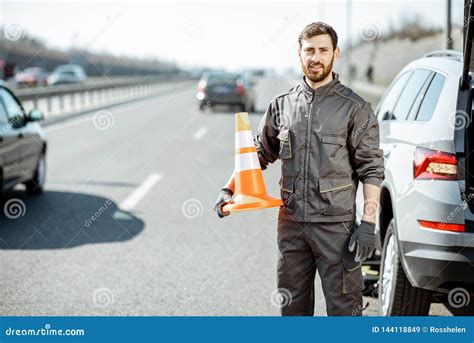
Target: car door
383	112
397	131
26	146
10	147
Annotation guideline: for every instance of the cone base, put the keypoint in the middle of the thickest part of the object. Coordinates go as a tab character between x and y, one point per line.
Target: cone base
248	203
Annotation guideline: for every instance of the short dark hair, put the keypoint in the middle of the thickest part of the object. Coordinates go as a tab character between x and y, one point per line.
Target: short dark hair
316	29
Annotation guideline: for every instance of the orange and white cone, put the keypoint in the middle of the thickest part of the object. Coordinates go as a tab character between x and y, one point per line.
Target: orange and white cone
250	192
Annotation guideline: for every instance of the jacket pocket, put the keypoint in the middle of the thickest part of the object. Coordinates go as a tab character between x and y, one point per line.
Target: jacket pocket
352	280
337	196
285	144
331	144
333	139
287	187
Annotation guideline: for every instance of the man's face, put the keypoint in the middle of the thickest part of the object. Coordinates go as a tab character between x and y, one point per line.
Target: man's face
317	57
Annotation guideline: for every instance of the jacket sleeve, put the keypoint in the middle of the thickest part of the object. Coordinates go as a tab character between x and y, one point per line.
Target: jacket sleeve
266	141
366	156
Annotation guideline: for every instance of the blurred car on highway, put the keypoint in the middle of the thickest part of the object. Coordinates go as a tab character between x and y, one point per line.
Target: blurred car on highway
22	145
33	76
223	88
67	73
197	73
425	230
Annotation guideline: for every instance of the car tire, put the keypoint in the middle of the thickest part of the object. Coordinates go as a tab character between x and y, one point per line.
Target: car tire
242	108
397	297
36	184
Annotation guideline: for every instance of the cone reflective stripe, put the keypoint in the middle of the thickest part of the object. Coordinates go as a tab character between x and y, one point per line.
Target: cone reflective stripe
250	192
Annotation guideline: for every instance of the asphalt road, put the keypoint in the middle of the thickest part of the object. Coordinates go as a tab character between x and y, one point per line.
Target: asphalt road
126	227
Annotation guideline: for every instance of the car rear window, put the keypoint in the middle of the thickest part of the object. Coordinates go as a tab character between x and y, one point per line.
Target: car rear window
223	78
431	98
409	94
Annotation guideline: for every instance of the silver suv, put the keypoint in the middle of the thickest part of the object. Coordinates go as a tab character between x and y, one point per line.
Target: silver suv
425	228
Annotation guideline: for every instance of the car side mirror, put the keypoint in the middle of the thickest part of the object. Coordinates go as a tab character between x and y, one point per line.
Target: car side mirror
35	115
388	116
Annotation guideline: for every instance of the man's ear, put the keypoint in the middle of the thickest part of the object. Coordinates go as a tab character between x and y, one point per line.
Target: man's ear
337	53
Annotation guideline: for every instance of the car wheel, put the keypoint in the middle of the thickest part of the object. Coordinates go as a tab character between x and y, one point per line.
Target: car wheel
397	297
36	184
242	108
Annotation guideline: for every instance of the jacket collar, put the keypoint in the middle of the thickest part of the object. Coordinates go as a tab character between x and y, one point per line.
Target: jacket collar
327	89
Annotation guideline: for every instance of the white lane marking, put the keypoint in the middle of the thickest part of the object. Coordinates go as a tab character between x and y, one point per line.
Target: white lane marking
200	133
132	200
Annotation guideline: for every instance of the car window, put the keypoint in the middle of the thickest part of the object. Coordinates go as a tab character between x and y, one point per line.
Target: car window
11	105
68	72
222	79
409	94
385	107
431	98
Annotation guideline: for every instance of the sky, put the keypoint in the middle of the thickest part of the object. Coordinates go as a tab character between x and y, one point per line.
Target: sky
230	35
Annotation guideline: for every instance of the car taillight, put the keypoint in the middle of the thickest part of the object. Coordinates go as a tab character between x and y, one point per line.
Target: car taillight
239	89
202	86
441	226
434	165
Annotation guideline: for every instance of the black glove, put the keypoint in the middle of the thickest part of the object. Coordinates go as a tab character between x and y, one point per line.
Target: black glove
364	238
225	196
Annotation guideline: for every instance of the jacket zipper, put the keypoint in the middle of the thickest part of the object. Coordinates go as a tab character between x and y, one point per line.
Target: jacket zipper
308	130
336	188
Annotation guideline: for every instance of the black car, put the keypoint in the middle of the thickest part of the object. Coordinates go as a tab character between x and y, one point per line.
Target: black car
22	145
226	89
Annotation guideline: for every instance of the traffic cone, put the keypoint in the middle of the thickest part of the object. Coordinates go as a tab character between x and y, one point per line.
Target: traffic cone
250	192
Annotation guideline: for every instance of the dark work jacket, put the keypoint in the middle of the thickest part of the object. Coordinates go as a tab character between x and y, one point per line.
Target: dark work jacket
327	140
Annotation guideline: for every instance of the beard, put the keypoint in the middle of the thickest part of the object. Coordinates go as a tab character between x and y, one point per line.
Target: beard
319	75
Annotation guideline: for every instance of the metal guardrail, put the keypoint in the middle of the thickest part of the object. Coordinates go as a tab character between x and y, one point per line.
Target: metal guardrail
90	94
